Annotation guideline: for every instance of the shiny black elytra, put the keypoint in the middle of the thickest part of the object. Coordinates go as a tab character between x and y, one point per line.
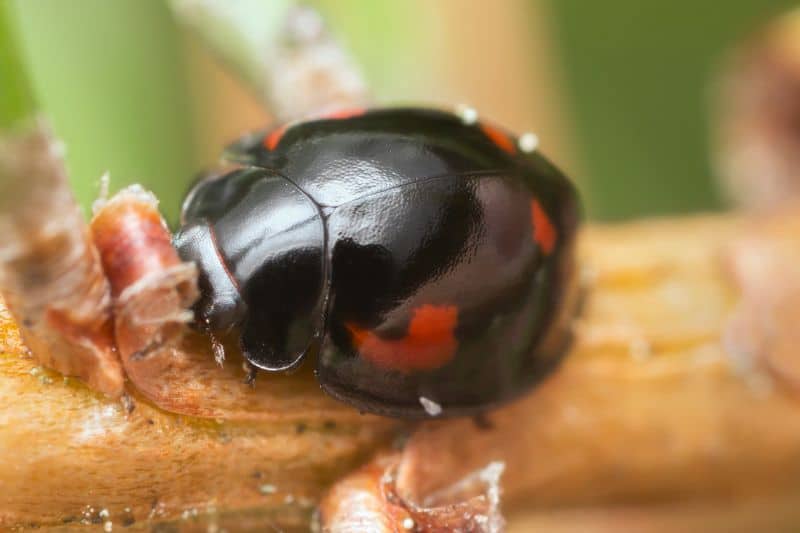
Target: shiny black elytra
419	254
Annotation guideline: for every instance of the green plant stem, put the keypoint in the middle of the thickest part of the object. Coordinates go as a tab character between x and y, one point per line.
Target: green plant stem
241	34
283	52
17	103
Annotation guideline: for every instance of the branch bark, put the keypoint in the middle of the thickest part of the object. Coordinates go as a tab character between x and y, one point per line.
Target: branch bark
665	396
50	271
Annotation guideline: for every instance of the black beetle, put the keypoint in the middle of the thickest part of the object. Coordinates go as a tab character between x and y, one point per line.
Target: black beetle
424	257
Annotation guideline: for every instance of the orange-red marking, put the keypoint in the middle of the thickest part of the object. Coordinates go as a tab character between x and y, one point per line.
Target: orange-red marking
274	137
499	138
341	114
429	344
544	233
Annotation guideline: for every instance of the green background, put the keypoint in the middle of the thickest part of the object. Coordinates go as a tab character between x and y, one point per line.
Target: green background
111	77
639	86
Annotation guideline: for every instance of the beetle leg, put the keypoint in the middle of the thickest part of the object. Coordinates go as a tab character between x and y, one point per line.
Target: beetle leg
482	421
251	373
216	345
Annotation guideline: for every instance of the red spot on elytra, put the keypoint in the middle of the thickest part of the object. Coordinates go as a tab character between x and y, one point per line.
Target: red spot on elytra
274	137
341	114
544	233
429	343
499	138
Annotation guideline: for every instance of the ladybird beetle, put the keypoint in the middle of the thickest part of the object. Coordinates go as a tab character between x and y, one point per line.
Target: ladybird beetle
424	258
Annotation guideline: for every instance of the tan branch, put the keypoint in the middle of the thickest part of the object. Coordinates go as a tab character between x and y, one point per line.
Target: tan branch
664	397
